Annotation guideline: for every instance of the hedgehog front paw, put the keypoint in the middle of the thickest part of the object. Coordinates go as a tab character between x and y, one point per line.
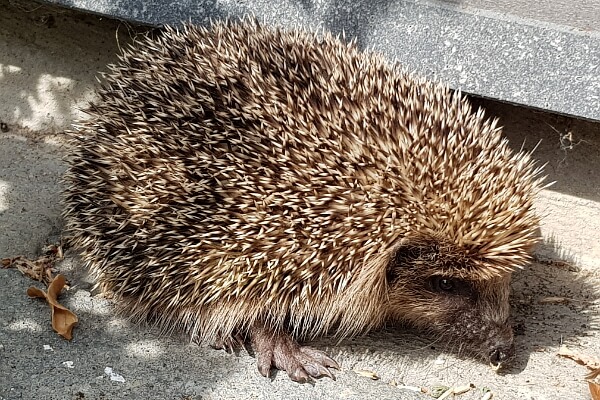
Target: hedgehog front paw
279	350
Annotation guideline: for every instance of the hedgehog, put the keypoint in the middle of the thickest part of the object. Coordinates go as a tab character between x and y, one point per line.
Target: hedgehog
250	184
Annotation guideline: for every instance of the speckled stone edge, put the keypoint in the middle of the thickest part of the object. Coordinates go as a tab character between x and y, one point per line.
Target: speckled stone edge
490	55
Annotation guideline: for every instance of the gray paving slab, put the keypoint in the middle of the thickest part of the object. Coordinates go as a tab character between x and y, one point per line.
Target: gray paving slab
576	15
506	50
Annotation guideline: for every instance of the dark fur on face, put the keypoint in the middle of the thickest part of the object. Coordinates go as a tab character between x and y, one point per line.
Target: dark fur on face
428	289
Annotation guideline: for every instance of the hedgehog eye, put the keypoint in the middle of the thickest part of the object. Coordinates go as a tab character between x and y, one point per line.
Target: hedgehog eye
441	284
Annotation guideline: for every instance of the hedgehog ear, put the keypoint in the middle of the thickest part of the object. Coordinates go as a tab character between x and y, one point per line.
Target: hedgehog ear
400	259
409	255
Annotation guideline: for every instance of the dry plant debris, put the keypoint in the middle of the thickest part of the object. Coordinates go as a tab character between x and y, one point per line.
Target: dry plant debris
591	363
594	383
454	391
594	390
63	320
367	374
407	387
583	359
554	300
40	269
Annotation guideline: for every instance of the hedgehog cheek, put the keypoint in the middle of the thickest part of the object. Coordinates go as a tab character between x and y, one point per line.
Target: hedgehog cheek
484	326
495	334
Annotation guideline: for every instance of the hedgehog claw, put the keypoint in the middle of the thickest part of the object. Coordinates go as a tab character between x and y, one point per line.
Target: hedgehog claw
280	351
319	356
231	344
314	369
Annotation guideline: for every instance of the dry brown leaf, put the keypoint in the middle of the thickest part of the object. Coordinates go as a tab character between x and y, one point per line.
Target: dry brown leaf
40	269
63	320
594	374
582	359
590	362
594	390
594	383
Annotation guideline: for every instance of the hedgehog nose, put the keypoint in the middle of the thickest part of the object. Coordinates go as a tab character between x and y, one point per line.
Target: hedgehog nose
501	354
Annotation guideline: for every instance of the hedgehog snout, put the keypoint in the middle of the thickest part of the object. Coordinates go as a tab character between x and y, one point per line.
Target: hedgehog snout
500	347
501	354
